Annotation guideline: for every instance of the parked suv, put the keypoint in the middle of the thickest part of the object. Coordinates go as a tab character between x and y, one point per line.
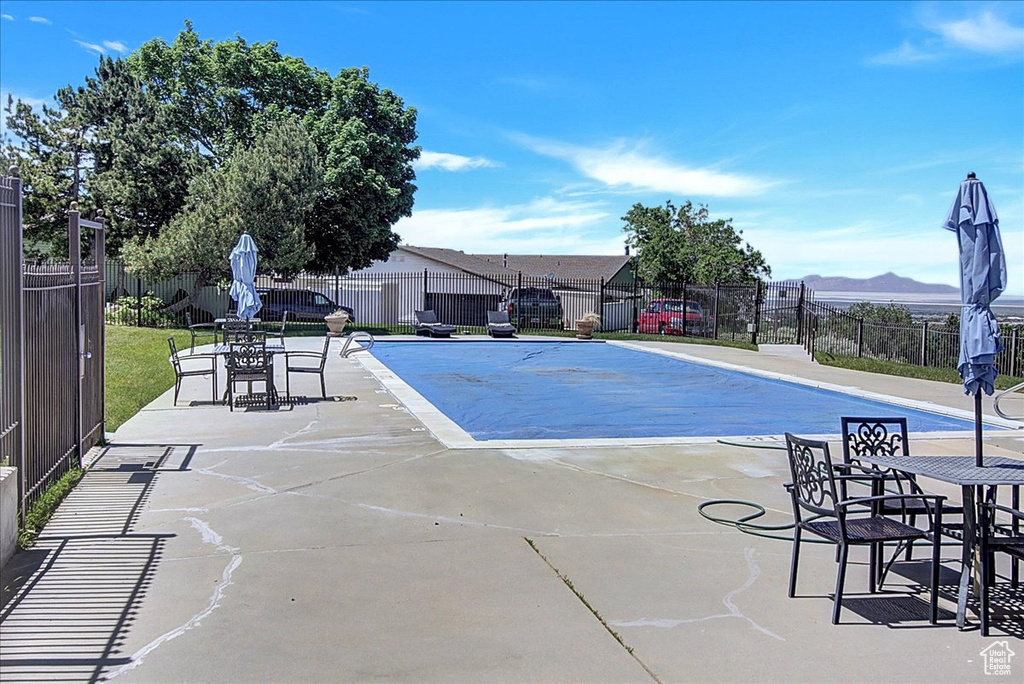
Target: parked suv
541	308
301	305
668	317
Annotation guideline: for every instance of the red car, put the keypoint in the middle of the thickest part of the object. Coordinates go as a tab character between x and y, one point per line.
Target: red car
666	317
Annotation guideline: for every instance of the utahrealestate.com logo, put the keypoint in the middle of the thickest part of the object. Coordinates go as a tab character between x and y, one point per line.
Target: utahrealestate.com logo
997	658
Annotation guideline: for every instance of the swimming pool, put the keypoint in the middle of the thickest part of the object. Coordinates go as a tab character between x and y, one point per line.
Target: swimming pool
571	391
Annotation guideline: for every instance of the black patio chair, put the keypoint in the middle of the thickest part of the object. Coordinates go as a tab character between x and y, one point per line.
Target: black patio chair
284	323
233	327
200	330
180	373
867	437
498	324
1001	531
248	361
427	324
849	522
317	368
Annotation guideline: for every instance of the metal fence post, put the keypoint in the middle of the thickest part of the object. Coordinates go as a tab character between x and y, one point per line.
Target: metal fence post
800	315
757	313
424	288
684	308
600	300
718	294
924	343
519	300
138	301
860	337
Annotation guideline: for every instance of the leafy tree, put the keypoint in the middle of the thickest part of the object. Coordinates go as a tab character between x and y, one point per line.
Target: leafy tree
882	314
684	244
215	90
53	157
267	190
141	168
364	137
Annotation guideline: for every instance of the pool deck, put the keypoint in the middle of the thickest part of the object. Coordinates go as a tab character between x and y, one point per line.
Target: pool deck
340	541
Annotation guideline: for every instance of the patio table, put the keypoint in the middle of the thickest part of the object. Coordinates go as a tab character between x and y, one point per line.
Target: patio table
962	471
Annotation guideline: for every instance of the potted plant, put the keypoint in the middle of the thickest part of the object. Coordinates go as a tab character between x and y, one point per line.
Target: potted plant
336	321
586	325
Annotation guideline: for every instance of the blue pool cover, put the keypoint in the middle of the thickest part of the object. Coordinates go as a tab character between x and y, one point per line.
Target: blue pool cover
541	390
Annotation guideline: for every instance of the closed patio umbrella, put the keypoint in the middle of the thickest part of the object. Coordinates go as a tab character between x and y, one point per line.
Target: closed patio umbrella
982	279
243	273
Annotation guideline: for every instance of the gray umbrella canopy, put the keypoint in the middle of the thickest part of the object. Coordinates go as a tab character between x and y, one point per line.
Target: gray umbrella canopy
243	273
982	279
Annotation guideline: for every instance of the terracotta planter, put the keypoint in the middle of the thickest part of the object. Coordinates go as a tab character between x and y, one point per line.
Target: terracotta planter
584	329
336	323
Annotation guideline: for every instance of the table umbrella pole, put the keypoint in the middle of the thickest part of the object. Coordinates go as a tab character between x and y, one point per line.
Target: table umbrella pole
977	429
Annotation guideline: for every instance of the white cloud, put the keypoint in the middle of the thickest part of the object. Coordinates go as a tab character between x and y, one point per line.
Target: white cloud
8	17
449	162
92	47
904	54
981	32
40	20
984	32
115	46
628	165
545	225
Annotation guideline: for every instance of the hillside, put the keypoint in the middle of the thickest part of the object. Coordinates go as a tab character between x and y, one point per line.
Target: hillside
888	282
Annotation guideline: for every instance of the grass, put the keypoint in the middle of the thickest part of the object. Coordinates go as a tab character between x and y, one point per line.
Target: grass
137	369
906	370
40	512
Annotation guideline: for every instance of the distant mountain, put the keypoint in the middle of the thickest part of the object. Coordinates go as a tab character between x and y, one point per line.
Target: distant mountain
889	282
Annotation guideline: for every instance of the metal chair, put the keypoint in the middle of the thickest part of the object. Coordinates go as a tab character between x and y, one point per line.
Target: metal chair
233	327
1001	530
248	361
180	373
867	437
849	522
316	368
284	322
199	330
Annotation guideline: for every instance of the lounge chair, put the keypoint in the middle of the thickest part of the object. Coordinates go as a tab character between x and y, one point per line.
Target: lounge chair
427	324
498	324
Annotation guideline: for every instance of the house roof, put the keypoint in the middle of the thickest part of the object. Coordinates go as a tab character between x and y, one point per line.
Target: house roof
457	259
562	266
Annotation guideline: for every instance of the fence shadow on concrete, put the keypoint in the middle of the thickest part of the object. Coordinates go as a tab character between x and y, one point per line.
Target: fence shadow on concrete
70	600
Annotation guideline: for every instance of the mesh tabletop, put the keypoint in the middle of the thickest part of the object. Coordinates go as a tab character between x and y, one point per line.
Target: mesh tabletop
271	349
959	470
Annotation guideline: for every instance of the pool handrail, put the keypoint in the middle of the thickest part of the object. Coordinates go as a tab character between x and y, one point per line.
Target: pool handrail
995	403
354	343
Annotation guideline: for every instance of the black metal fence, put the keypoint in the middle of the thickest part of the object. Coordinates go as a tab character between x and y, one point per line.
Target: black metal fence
52	342
833	331
389	300
783	312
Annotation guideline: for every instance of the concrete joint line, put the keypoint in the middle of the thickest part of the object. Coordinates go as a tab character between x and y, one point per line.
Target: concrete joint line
582	599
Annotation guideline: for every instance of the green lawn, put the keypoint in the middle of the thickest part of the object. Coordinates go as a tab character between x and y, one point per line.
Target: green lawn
906	370
137	369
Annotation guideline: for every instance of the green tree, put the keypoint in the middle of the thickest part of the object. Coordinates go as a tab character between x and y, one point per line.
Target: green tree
882	314
267	190
684	244
215	90
364	136
141	167
50	148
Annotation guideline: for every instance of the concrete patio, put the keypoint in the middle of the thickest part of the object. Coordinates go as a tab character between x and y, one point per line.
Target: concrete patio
339	541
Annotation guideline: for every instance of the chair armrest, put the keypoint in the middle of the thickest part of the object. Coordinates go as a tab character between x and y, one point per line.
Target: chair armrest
203	326
303	354
937	499
197	357
1012	512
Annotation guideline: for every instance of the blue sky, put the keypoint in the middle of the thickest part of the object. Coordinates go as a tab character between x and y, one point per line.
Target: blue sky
833	134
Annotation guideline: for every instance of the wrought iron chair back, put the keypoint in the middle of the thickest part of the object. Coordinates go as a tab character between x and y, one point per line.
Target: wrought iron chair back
258	337
248	361
814	485
233	326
